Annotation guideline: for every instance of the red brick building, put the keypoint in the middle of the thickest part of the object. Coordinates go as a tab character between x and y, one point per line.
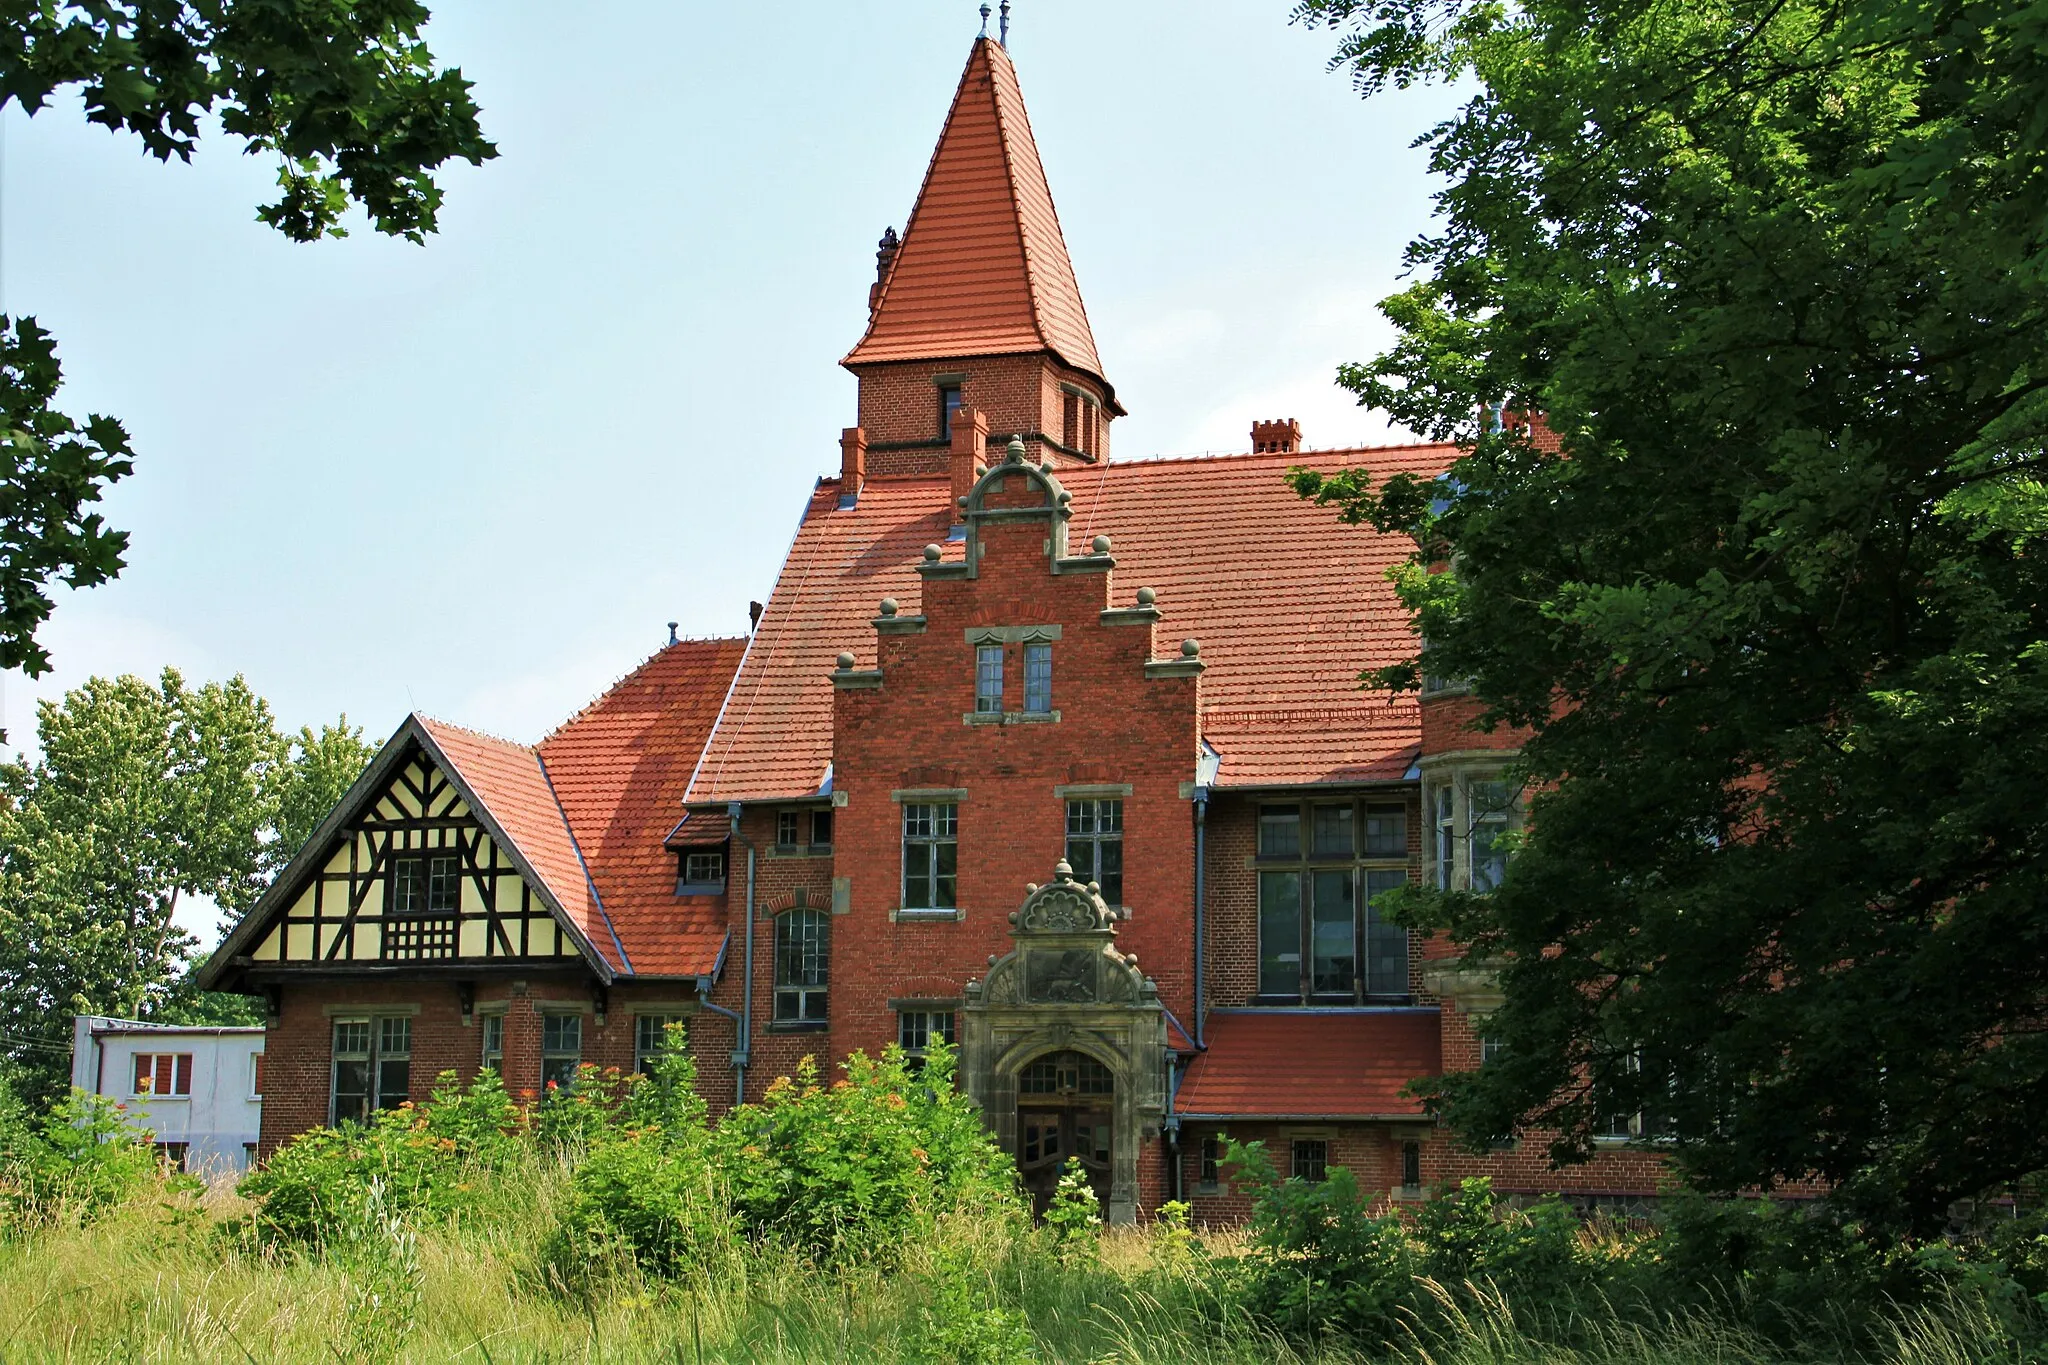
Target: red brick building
1061	758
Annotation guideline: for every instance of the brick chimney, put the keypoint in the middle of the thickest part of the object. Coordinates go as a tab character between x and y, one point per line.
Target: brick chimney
970	448
853	461
1277	437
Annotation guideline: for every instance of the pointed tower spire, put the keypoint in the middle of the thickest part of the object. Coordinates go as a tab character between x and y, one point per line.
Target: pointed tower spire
983	268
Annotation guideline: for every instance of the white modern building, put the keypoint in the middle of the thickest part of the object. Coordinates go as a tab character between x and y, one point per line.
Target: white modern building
199	1089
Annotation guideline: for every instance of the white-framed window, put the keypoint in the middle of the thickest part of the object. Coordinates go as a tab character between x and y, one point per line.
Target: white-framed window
1038	678
255	1075
918	1029
787	823
162	1075
931	855
372	1066
491	1027
561	1048
1471	816
1095	844
700	870
988	679
651	1040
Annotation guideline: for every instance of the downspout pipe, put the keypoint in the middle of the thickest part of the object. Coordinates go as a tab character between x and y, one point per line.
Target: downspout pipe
1201	909
744	1034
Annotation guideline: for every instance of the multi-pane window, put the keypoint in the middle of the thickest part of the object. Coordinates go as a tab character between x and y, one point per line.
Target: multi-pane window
651	1040
1095	844
1491	1050
1322	870
1411	1167
372	1066
163	1073
561	1049
1492	804
492	1027
1212	1161
802	966
786	825
1311	1159
988	679
917	1030
703	867
1470	821
1038	678
931	850
426	885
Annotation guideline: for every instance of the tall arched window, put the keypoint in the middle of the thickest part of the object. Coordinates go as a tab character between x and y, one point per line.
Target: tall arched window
802	965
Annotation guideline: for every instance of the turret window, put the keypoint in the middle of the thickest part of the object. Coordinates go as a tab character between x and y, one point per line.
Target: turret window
1471	819
1321	938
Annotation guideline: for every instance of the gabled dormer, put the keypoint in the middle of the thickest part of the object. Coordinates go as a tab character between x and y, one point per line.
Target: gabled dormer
976	305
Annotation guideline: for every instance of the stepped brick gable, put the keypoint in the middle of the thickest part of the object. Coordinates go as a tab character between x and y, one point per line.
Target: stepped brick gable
1060	759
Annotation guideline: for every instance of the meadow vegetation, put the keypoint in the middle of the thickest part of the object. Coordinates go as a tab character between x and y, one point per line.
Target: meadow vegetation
869	1217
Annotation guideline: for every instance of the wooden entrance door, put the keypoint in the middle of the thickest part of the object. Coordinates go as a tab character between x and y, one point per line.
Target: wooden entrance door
1066	1107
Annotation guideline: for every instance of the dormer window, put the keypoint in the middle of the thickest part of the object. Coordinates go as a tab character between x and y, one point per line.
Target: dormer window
700	872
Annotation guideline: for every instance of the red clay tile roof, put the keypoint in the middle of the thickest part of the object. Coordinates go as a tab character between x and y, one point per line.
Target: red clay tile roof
1290	606
618	769
983	268
1322	1064
507	779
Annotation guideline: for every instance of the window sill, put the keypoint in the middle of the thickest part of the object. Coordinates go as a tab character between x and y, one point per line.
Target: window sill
1209	1191
915	916
1010	717
799	850
700	888
795	1026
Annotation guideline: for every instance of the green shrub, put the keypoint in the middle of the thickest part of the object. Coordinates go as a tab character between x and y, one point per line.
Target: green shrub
1073	1219
1319	1263
644	1192
433	1160
83	1157
961	1319
857	1166
1536	1255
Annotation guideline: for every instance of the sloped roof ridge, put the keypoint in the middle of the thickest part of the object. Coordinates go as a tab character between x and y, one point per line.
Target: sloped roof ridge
472	731
1219	456
1036	270
605	694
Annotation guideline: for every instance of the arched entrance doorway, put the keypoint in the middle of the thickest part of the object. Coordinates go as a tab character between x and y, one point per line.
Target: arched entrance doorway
1066	1107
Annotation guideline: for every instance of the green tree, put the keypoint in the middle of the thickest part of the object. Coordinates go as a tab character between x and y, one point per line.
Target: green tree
1774	270
144	794
345	95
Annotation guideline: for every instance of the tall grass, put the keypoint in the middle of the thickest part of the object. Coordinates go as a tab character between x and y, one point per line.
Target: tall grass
165	1277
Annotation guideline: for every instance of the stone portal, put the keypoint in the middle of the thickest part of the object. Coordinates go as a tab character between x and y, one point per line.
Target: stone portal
1063	1044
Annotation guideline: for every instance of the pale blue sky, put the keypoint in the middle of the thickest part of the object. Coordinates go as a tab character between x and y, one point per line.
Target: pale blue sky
475	478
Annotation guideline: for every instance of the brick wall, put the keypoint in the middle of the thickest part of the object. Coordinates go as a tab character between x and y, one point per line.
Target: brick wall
1020	393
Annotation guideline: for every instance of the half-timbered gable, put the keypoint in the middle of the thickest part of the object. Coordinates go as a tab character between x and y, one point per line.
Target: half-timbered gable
414	878
416	870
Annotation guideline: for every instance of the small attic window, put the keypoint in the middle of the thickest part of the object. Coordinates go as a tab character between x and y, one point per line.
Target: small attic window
949	403
700	872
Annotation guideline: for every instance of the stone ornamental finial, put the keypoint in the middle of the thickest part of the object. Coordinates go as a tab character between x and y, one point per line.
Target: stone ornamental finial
1100	545
1014	453
846	661
1063	870
1146	597
932	554
889	607
1191	649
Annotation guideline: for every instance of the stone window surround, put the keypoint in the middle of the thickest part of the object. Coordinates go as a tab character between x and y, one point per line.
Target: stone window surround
977	636
1458	770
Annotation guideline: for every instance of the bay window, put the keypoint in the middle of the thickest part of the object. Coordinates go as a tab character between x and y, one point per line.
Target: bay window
1321	868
